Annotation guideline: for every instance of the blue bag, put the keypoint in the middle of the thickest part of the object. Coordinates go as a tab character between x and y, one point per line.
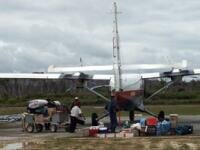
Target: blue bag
184	129
162	128
143	122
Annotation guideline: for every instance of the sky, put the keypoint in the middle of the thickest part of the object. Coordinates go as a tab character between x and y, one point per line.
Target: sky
37	33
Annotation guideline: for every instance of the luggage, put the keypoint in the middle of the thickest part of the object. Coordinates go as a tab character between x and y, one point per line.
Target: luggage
151	130
93	131
152	121
103	130
38	110
184	129
143	122
126	124
34	104
173	120
163	128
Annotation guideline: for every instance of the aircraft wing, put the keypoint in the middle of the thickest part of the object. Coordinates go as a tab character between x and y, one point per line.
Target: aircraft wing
74	76
180	65
79	75
102	77
171	74
80	69
31	75
124	67
132	81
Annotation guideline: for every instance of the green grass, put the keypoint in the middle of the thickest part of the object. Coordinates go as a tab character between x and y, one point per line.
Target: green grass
87	110
168	109
177	109
11	110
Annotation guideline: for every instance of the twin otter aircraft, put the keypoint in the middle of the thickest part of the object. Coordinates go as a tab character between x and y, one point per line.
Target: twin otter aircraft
126	87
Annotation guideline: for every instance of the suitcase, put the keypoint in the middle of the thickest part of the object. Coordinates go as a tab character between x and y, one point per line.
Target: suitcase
184	129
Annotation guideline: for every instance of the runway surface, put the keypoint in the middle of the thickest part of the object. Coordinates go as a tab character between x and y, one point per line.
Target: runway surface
13	130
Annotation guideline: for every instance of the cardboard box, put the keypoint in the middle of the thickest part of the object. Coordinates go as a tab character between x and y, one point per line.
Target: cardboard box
51	111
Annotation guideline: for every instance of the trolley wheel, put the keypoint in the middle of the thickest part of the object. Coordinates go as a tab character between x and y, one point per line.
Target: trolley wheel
47	126
30	128
53	128
67	128
39	127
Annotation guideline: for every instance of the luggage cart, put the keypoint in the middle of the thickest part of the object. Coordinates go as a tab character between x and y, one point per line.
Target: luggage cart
37	122
59	120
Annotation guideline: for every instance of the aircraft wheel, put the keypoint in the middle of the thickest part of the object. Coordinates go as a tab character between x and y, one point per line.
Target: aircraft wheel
30	128
94	119
53	128
39	127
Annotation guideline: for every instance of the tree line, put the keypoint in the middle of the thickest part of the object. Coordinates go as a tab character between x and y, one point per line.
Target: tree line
19	91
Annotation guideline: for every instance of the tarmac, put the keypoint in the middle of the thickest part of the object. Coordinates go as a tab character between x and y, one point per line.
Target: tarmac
13	130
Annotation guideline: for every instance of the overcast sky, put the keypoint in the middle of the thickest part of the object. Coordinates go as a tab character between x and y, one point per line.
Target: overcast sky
37	33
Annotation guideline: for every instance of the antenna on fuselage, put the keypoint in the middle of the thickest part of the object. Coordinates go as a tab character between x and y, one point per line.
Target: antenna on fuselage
81	62
116	52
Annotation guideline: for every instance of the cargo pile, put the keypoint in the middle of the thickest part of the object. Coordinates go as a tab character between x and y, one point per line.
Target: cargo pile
150	126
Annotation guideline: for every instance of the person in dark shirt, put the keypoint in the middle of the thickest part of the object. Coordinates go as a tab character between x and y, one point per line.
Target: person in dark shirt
112	110
161	116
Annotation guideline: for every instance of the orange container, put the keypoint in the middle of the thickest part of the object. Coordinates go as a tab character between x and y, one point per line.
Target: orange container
152	121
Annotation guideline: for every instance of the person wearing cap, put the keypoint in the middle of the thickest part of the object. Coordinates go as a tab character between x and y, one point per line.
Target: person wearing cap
75	114
76	99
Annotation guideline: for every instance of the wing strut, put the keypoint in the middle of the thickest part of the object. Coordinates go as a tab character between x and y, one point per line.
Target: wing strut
96	93
160	90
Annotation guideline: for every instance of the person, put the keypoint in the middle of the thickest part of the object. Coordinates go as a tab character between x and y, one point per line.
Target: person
112	110
76	99
161	116
74	116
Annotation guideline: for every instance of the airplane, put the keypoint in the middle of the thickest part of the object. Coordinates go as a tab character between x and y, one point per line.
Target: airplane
127	87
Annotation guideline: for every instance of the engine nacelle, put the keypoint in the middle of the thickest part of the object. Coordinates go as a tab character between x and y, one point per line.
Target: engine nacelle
177	74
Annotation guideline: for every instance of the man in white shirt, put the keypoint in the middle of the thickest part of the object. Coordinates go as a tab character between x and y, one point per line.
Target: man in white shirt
75	114
76	111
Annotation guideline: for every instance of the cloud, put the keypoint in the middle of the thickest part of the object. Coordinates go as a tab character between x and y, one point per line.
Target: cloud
36	34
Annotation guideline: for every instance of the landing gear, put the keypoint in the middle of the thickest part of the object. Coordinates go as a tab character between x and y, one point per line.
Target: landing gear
131	116
94	119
